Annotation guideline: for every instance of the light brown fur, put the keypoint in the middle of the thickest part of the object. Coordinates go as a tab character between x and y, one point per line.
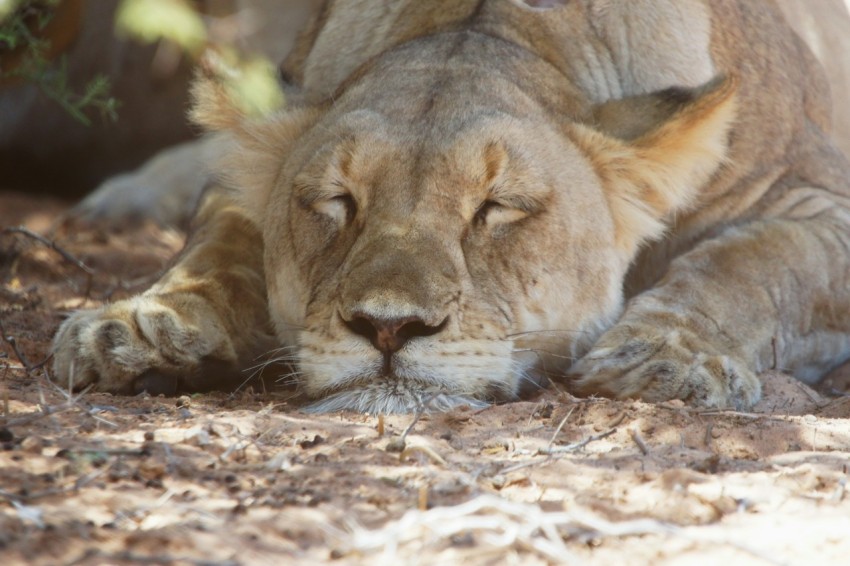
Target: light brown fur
458	200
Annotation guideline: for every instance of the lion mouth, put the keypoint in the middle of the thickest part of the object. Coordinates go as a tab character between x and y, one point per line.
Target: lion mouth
403	383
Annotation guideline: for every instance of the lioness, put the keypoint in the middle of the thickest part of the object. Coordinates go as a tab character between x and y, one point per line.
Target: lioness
639	197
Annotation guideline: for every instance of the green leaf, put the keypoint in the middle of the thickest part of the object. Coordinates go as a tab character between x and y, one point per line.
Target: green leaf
152	20
7	7
255	88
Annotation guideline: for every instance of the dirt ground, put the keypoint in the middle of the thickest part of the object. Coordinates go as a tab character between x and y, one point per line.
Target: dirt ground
246	478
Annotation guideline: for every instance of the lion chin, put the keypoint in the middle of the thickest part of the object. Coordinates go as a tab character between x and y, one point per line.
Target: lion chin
388	397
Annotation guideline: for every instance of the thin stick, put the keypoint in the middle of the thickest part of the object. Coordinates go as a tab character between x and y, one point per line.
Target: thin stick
68	256
618	420
576	446
420	410
639	441
126	556
108	451
423	497
71	402
560	426
10	340
53	246
751	416
708	436
811	395
424	450
46	412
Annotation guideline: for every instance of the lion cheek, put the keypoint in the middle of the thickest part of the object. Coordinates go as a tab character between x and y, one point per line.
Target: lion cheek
287	297
568	310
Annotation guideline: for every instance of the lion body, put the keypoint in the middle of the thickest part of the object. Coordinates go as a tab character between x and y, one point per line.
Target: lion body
646	197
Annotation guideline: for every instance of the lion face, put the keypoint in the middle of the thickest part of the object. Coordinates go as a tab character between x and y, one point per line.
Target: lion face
437	252
440	263
437	235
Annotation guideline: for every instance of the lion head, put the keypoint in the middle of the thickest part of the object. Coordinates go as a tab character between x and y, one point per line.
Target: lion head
458	219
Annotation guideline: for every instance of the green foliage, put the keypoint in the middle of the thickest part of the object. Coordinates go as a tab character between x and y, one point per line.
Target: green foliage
20	22
7	7
250	81
152	20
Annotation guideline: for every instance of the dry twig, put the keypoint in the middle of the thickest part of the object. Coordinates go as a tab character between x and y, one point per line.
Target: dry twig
496	523
560	426
53	246
425	451
45	412
10	340
575	446
641	444
133	558
66	255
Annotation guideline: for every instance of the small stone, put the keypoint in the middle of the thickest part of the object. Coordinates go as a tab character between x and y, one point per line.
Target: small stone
305	444
545	412
396	445
32	444
495	446
200	438
151	470
280	461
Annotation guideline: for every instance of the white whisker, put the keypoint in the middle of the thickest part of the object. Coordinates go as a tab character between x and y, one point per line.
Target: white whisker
538	332
381	401
541	351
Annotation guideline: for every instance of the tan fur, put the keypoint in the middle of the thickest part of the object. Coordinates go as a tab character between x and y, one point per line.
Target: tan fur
469	195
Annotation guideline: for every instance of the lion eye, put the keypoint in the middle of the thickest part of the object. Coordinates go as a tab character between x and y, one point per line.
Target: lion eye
485	209
492	213
341	208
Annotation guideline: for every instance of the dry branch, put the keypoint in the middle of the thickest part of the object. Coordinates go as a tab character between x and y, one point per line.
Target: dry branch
10	340
71	258
576	446
66	255
641	444
45	412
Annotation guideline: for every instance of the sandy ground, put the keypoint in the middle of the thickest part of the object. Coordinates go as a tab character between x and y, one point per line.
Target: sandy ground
246	478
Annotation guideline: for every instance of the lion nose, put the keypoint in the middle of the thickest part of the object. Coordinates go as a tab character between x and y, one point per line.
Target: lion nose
390	335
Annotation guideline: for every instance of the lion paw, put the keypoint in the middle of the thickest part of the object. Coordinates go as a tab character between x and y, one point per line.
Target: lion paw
140	344
630	362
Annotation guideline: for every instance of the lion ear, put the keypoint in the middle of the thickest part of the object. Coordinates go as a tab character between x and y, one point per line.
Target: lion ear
213	108
253	149
654	153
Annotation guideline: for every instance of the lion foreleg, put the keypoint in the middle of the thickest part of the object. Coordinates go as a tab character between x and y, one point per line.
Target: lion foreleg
201	323
773	294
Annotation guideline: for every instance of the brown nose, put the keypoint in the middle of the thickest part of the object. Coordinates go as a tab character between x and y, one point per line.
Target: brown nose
390	335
